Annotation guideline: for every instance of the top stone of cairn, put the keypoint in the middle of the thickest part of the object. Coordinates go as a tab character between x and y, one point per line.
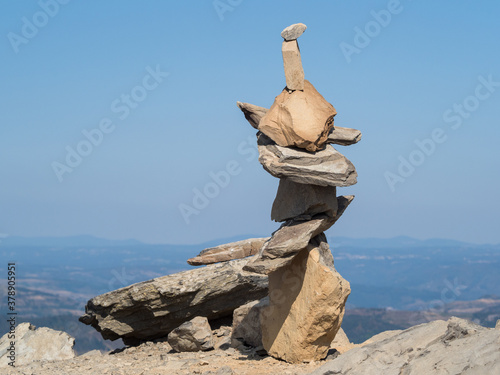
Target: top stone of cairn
292	32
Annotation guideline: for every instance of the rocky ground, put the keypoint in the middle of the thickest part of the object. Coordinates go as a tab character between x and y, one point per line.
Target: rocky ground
158	359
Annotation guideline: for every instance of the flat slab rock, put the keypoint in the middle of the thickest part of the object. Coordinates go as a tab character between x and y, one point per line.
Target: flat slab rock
292	32
293	236
229	251
456	346
152	309
327	167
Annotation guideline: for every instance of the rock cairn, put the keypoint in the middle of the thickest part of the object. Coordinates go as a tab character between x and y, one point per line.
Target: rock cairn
307	295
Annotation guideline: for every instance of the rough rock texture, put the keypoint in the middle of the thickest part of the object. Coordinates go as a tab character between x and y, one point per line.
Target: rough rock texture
292	237
151	309
497	326
230	251
36	344
344	136
299	118
192	336
252	113
327	167
341	342
293	199
453	347
306	305
292	32
294	73
246	324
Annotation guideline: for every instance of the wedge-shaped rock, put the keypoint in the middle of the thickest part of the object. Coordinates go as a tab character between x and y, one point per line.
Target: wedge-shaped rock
246	324
306	306
343	136
453	347
35	344
327	167
230	251
292	237
292	62
293	199
151	309
253	113
300	118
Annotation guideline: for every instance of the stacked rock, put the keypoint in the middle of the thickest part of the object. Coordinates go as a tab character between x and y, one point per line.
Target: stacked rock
307	295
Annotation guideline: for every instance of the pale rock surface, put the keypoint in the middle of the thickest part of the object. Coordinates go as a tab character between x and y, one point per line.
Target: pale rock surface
341	342
230	251
299	118
327	167
306	306
453	347
292	237
246	324
292	32
292	62
252	113
343	136
151	309
497	326
192	336
293	200
36	344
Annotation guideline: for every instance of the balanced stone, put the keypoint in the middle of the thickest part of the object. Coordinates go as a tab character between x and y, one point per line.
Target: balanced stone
230	251
292	32
292	237
327	167
299	118
343	136
306	305
293	200
252	113
294	73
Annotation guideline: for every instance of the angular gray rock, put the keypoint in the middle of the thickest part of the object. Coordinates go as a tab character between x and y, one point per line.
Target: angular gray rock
293	199
453	347
192	336
246	324
230	251
343	136
327	167
151	309
292	237
292	32
35	344
252	113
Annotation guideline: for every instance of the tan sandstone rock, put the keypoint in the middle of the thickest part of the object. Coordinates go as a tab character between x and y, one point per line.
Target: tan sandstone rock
294	73
253	113
343	136
246	328
230	251
306	306
299	118
293	199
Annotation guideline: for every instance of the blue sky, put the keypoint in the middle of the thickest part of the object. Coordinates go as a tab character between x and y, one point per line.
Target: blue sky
420	79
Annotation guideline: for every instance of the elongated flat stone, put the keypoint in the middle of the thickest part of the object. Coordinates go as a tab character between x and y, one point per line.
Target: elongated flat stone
326	167
229	251
292	32
252	113
343	136
292	237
